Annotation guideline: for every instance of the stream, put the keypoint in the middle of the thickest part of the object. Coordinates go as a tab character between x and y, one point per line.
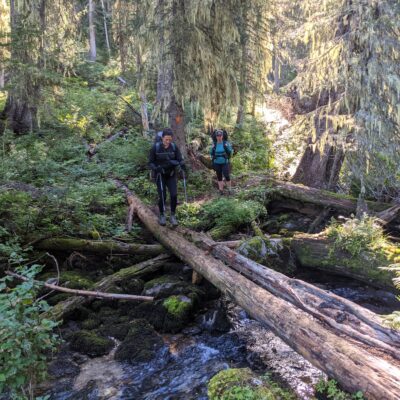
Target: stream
188	360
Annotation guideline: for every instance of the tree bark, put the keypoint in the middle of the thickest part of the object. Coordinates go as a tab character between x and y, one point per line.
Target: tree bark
106	284
322	160
106	28
177	123
352	366
100	246
343	316
92	32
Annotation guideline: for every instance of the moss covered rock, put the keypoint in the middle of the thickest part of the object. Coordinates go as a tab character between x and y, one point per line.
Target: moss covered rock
90	324
168	315
141	344
88	342
71	279
132	286
241	383
118	331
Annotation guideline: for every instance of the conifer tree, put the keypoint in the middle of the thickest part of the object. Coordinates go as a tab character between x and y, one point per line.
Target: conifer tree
353	71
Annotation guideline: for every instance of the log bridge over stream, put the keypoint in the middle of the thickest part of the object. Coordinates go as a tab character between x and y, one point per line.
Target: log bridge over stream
346	341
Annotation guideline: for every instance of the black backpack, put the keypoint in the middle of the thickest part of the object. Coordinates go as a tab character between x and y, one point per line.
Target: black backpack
224	137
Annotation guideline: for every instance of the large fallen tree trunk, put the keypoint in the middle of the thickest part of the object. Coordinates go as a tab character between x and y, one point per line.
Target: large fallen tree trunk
348	362
343	316
317	197
100	246
317	251
106	284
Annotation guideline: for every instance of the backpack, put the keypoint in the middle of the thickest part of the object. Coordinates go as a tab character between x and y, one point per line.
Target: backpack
158	137
226	155
224	137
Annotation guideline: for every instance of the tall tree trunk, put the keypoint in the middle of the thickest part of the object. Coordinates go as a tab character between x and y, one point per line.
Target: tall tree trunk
2	77
322	160
142	93
106	28
276	67
177	123
20	112
92	32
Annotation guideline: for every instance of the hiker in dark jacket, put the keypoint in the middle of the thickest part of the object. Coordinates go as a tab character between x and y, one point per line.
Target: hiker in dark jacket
165	160
220	152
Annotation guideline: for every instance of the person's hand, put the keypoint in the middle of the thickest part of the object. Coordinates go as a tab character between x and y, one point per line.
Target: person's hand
159	169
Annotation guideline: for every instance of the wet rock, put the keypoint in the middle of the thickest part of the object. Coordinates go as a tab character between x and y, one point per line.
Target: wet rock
88	342
164	286
289	222
238	383
215	321
117	331
141	344
132	286
62	367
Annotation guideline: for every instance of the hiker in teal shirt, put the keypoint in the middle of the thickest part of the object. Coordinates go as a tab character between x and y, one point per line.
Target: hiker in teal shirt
221	152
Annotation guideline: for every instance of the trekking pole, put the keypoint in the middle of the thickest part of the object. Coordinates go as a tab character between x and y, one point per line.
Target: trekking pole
184	185
162	191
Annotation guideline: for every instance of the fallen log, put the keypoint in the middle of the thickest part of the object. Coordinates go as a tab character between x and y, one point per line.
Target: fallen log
348	362
100	246
143	268
343	316
318	252
87	293
311	196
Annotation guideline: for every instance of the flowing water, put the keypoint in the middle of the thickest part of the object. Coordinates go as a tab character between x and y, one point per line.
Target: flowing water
188	360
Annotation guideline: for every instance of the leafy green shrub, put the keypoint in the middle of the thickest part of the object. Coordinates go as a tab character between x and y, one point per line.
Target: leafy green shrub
25	338
225	215
329	390
356	235
252	148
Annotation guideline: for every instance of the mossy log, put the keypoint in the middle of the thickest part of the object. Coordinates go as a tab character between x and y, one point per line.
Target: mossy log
349	363
341	315
108	283
311	201
317	251
100	246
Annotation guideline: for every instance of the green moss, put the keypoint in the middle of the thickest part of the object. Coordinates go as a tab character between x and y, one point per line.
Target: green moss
178	306
90	343
233	384
141	344
90	324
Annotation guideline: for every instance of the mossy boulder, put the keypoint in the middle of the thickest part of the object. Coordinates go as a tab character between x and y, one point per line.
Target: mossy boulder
71	280
242	383
141	344
88	342
268	252
164	286
132	286
167	315
118	331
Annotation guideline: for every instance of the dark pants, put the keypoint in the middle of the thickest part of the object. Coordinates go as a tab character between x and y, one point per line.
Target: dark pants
166	182
222	169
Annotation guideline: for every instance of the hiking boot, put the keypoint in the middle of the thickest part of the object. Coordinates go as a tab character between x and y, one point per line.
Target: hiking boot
162	220
173	220
221	192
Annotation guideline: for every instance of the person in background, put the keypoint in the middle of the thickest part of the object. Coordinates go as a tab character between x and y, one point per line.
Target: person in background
221	151
165	160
